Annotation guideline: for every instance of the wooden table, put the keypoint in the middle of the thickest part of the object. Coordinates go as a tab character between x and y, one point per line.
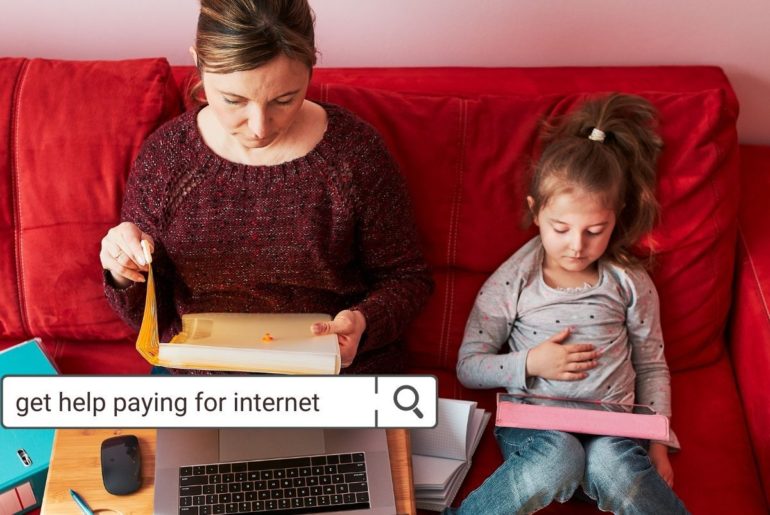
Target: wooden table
75	464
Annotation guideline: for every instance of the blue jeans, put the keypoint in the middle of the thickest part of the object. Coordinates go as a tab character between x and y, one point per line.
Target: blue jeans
545	466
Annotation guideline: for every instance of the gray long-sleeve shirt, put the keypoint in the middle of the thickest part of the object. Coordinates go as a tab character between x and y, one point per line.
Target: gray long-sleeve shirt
619	315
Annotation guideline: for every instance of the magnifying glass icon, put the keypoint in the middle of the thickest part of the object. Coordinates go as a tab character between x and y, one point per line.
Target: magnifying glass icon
409	407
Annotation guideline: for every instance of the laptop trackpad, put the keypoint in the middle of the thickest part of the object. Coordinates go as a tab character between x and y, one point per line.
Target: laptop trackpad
258	444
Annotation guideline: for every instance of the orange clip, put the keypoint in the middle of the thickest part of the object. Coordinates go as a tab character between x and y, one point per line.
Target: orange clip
267	337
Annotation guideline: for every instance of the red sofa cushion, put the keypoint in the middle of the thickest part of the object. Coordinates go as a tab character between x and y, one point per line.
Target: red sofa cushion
466	162
74	129
750	335
10	321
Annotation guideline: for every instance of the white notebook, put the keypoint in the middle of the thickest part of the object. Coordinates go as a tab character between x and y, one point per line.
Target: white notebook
252	342
441	456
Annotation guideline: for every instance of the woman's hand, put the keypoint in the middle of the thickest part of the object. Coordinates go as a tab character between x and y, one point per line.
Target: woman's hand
553	359
659	457
348	326
122	253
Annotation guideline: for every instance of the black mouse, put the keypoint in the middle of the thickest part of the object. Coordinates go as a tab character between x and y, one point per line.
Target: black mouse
121	464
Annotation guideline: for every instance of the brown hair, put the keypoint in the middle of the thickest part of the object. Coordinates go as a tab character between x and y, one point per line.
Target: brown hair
239	35
618	164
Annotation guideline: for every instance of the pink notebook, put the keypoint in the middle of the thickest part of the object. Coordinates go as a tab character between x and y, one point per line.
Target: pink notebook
580	416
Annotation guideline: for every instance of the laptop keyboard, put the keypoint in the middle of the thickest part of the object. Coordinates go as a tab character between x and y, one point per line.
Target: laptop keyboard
308	484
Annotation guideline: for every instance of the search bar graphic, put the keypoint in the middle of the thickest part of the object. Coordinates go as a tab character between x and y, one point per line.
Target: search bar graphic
219	401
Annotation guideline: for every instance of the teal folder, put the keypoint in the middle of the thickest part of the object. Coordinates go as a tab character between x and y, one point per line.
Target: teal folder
24	453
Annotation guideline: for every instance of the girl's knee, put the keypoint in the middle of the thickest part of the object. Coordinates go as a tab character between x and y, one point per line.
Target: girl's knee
619	459
557	458
620	477
567	458
553	457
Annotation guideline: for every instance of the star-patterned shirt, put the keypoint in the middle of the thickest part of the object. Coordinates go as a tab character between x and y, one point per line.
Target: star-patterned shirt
619	315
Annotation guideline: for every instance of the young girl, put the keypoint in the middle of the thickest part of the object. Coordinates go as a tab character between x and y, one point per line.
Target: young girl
581	318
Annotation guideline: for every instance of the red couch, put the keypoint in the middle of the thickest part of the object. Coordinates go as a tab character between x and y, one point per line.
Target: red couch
464	139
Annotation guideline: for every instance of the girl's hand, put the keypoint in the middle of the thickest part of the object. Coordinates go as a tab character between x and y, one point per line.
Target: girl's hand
564	362
122	253
659	457
348	326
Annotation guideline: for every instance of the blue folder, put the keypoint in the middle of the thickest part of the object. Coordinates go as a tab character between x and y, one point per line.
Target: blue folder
24	453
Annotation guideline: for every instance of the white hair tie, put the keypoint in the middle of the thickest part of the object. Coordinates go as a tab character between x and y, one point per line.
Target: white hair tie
597	135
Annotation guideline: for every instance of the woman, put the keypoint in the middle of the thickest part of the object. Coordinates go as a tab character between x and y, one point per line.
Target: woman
263	201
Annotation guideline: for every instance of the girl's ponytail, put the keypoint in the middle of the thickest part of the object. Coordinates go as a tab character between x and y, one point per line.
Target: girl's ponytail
630	123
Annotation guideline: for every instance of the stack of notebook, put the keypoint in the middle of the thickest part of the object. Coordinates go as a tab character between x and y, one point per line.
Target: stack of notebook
441	456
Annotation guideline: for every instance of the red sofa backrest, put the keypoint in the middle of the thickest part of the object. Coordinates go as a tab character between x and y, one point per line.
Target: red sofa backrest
72	130
464	139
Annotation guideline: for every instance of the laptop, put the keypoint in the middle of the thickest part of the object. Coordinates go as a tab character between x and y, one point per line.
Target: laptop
209	461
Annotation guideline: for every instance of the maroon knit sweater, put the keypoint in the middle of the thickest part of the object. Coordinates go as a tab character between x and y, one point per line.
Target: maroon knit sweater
328	231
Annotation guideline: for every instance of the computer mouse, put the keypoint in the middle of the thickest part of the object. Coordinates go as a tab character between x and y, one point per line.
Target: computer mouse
121	464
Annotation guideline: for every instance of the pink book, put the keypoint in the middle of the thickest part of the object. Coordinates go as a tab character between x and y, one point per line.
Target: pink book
580	416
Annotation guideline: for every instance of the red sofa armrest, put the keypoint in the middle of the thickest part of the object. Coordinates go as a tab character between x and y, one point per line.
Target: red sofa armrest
750	329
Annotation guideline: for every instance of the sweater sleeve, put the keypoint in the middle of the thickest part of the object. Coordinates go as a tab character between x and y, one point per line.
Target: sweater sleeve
653	380
489	327
397	276
143	206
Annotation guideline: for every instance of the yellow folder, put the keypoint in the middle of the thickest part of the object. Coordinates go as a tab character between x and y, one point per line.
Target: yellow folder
277	343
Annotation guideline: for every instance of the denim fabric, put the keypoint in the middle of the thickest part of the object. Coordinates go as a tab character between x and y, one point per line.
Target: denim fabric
621	478
545	466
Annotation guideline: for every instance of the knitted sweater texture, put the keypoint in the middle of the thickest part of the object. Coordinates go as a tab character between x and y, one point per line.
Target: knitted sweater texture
328	231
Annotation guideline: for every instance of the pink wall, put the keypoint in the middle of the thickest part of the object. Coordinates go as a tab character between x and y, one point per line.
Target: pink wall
439	33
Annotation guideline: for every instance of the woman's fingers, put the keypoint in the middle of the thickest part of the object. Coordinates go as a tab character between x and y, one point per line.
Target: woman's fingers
128	273
112	254
122	253
333	327
132	247
125	261
348	326
120	266
340	325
